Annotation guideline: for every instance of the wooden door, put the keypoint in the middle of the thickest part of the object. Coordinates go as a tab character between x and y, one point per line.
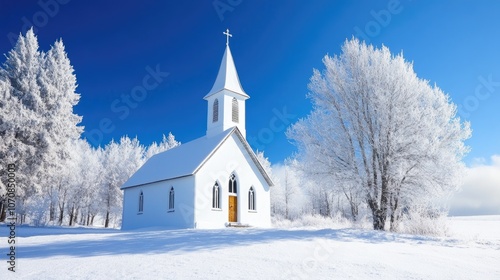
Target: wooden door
233	209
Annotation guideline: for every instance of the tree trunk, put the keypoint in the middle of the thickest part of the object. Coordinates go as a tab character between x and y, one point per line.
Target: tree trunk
106	221
328	210
52	211
354	211
108	205
377	215
286	206
384	201
75	220
3	213
378	220
61	214
393	222
71	215
394	208
352	203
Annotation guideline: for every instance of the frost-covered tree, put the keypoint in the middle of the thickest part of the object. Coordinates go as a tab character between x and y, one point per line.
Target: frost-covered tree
167	143
120	161
67	183
22	68
287	199
85	177
57	86
74	180
286	194
378	131
37	119
264	161
91	168
27	143
73	183
9	108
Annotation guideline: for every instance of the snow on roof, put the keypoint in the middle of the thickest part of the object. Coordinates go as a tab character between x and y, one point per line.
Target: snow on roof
178	162
227	78
186	160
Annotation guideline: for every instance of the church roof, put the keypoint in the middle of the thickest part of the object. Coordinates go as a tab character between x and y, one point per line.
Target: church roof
227	78
187	159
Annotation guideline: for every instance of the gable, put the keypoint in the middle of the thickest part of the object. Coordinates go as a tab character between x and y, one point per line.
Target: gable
231	158
187	159
229	154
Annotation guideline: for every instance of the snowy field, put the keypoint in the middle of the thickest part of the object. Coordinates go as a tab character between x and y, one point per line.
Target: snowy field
472	251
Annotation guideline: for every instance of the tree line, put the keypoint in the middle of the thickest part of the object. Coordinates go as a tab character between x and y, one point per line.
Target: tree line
61	179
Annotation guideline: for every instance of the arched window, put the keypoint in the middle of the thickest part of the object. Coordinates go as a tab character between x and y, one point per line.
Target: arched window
215	113
235	110
233	184
216	196
251	199
141	202
171	199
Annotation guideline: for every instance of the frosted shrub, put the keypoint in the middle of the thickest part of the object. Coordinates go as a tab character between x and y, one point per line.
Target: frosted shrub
312	221
36	209
424	221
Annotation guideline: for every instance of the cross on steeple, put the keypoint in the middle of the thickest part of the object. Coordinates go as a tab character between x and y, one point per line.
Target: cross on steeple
227	36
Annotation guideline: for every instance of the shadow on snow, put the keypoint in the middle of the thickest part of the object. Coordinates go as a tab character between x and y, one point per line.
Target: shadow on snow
99	242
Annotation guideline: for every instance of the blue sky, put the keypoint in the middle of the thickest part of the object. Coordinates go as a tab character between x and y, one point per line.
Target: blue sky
114	45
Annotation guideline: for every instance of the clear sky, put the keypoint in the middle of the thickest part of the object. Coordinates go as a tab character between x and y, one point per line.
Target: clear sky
115	45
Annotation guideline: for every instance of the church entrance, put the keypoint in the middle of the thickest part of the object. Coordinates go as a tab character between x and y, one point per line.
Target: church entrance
233	208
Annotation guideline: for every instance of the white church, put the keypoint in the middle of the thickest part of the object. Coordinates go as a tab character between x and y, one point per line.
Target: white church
211	182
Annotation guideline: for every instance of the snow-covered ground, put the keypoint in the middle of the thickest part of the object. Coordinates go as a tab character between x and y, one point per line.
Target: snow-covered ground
471	252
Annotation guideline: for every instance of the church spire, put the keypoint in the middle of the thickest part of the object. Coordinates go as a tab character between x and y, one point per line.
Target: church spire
227	78
226	99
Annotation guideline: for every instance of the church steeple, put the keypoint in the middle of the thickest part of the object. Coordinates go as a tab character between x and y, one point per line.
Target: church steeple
226	99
